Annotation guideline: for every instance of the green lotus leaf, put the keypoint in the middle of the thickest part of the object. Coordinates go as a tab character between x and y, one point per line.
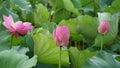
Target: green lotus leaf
102	60
114	8
78	58
12	59
70	7
87	26
22	4
6	11
4	38
57	5
41	15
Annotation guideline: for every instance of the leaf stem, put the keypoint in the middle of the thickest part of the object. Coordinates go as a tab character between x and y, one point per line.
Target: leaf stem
75	44
11	41
101	43
83	45
60	57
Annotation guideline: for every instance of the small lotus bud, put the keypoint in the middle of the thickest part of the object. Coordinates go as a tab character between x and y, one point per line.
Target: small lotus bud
104	27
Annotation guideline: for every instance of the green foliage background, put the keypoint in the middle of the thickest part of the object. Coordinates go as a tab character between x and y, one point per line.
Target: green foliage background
37	49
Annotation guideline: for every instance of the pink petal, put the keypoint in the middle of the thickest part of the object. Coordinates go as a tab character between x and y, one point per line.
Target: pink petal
24	31
28	25
8	21
62	32
58	42
19	26
23	28
104	27
65	35
26	28
54	33
61	35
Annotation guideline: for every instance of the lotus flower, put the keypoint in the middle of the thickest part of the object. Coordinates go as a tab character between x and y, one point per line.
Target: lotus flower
61	35
104	27
16	28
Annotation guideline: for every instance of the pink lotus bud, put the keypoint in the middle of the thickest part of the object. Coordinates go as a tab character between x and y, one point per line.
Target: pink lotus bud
61	35
16	28
104	27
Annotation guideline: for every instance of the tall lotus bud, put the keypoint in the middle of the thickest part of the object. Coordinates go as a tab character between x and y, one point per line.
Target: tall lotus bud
61	35
104	27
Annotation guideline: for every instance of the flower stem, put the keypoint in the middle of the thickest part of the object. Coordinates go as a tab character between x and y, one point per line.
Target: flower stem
75	44
60	57
101	43
11	41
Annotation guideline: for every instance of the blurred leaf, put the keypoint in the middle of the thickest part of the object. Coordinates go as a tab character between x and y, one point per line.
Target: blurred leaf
6	11
113	20
12	59
116	47
22	4
1	2
61	14
42	65
20	50
90	7
87	26
70	7
77	4
17	41
117	58
78	58
41	30
5	3
49	26
28	42
102	3
27	17
102	60
14	7
114	8
72	25
56	4
41	15
46	49
87	5
4	38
